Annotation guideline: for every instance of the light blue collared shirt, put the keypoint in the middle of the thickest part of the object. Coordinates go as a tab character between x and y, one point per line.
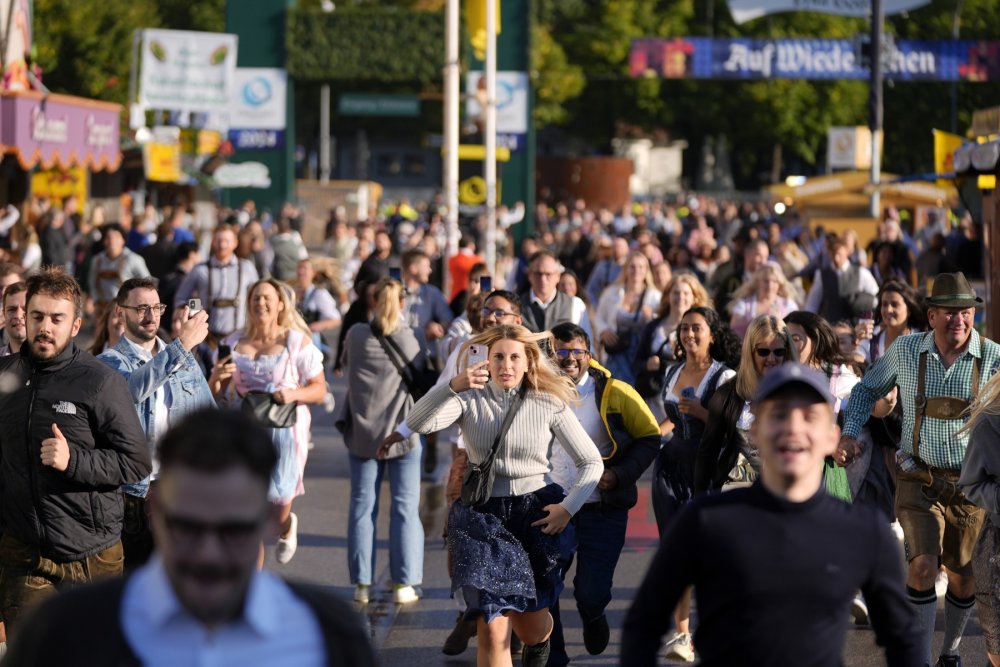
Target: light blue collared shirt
275	628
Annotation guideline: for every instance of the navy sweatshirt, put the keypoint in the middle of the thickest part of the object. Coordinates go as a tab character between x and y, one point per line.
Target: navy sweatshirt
774	581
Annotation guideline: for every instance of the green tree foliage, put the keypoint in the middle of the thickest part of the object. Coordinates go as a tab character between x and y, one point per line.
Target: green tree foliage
554	78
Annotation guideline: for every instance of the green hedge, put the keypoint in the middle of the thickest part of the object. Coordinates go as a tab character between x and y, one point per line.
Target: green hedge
371	44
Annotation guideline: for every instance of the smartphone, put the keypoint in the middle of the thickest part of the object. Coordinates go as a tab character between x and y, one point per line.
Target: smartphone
225	352
194	305
477	354
868	315
486	284
395	273
687	392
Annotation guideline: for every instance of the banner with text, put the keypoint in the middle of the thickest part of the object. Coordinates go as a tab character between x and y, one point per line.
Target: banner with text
909	60
187	71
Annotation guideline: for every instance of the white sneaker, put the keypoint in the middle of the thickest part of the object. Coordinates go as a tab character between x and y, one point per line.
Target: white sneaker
680	648
859	610
404	594
287	545
361	593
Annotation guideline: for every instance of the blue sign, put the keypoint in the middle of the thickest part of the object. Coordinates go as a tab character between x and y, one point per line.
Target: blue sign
257	139
906	60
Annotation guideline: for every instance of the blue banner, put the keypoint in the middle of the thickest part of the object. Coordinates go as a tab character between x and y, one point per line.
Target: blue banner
257	139
907	60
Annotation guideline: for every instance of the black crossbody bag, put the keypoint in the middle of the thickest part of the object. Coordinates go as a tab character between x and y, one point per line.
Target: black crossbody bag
417	382
477	484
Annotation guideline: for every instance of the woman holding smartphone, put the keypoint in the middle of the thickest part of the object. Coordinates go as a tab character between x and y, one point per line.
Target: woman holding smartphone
506	552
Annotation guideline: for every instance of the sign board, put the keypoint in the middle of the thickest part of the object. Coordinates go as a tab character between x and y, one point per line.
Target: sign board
818	59
259	99
257	139
59	184
747	10
242	175
187	71
849	148
512	101
370	104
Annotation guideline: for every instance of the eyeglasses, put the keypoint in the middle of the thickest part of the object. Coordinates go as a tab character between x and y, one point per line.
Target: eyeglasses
495	312
764	353
547	274
190	532
156	309
573	353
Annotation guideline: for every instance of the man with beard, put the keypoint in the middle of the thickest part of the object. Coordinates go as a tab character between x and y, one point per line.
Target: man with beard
166	383
14	318
620	423
202	598
69	440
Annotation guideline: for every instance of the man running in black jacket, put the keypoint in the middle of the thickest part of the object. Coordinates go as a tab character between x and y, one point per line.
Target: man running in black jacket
70	438
776	566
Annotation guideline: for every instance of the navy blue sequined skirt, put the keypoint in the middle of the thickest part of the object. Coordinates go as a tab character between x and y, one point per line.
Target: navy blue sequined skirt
500	562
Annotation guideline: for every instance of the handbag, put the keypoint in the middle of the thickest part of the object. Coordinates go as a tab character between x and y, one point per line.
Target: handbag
418	382
263	409
477	483
625	337
835	481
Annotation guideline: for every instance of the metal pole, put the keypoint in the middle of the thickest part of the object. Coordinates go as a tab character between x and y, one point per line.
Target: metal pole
324	133
875	106
956	26
490	138
452	100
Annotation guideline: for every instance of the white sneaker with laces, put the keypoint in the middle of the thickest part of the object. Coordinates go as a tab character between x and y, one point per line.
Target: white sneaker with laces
859	610
361	593
404	594
680	648
287	545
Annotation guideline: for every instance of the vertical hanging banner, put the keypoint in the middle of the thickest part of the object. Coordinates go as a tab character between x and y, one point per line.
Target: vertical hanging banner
187	71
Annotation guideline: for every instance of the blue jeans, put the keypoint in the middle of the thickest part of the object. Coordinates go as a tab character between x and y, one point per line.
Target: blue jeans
599	539
406	533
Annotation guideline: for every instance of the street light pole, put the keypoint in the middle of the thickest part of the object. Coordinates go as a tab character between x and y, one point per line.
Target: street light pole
875	106
490	138
324	118
451	113
956	26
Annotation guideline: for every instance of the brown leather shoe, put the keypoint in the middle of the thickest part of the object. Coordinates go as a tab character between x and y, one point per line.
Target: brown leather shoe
458	640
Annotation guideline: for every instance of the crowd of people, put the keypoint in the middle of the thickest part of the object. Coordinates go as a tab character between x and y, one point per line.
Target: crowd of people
665	335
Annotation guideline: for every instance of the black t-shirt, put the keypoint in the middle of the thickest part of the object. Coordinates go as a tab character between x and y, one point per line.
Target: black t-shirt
774	581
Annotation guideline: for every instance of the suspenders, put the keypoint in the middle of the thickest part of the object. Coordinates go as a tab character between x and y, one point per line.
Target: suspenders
940	407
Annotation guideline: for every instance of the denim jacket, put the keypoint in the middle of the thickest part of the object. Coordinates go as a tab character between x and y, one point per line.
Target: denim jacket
174	366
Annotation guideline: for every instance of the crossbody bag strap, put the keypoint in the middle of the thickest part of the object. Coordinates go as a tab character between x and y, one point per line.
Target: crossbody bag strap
920	403
977	371
389	347
508	418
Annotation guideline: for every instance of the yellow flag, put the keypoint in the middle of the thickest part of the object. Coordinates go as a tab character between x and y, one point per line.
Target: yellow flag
475	23
945	144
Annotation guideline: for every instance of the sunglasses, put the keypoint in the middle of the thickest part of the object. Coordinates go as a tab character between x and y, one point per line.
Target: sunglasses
764	353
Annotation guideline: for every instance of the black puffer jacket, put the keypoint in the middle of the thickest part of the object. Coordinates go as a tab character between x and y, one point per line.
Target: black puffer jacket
76	513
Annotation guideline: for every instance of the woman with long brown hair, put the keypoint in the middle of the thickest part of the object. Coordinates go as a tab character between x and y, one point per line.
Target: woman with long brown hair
275	354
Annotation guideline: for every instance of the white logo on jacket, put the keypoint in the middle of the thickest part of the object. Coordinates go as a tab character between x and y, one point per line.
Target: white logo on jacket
64	408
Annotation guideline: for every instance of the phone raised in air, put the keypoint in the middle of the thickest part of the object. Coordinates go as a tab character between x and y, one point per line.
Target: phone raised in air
194	305
395	273
486	284
477	354
225	352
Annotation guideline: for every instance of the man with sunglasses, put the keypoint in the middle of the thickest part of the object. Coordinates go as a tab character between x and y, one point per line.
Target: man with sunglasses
165	382
201	599
939	374
620	423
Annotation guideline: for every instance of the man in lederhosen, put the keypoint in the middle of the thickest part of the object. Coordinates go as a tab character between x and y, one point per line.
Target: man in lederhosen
221	283
939	373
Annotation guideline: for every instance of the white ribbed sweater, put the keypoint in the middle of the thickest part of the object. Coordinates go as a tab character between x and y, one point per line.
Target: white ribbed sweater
523	458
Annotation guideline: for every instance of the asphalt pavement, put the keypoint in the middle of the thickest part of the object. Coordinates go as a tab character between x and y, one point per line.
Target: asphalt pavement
412	635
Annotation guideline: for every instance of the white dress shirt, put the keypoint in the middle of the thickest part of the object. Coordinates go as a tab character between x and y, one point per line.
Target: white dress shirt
276	627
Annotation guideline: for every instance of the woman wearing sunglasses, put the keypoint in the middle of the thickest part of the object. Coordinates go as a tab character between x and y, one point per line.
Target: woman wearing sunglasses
726	454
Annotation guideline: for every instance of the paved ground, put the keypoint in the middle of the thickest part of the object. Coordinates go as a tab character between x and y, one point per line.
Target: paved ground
413	635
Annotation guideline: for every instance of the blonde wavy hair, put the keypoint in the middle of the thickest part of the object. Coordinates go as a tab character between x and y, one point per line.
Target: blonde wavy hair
760	328
987	404
542	374
388	305
288	318
749	289
623	274
701	297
